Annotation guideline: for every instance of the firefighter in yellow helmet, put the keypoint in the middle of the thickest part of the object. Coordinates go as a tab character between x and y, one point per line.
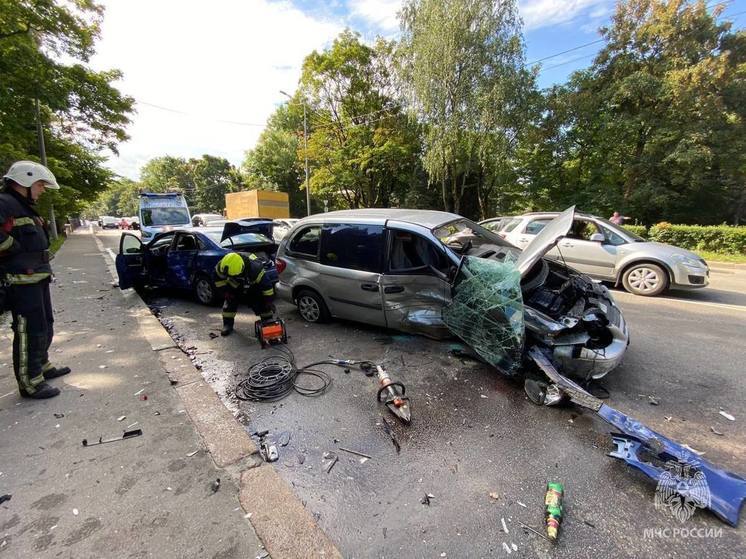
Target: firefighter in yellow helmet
242	274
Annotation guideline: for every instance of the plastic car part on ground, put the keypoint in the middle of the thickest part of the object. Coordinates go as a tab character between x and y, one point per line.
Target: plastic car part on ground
487	311
684	470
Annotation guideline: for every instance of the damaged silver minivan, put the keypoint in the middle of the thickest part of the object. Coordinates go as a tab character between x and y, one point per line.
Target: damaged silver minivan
396	268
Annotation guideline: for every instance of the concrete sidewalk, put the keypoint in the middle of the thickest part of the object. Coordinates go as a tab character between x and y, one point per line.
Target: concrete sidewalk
149	496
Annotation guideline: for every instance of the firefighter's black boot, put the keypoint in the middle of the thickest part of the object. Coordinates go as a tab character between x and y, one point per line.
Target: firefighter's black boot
55	372
226	331
42	391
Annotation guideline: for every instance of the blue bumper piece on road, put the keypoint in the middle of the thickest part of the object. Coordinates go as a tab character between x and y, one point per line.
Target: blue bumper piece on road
726	490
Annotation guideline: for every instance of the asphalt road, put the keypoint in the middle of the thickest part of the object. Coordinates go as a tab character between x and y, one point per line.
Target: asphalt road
474	433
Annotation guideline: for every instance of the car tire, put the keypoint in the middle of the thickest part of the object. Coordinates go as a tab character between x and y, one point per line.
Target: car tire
645	279
311	306
205	290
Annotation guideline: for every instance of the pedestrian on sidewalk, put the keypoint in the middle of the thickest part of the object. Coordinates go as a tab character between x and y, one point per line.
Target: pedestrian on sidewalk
618	219
26	273
242	274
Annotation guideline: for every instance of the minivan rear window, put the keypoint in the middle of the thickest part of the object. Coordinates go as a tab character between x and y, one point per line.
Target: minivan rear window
355	247
306	241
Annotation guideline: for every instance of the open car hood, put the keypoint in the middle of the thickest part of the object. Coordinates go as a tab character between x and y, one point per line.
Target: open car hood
258	225
545	240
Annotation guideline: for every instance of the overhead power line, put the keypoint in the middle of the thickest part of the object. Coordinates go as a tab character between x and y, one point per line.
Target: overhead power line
566	51
556	54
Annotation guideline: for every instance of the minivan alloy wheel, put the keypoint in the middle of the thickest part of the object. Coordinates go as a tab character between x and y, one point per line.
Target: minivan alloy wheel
309	308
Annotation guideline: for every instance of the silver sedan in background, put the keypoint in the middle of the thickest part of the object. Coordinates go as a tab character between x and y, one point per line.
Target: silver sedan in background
609	252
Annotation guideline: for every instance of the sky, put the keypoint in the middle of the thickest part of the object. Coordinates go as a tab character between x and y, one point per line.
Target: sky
207	75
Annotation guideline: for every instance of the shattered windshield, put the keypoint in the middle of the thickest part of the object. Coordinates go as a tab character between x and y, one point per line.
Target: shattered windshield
486	311
465	237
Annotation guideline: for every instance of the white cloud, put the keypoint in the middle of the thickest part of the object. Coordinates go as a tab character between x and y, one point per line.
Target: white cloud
380	15
225	60
545	13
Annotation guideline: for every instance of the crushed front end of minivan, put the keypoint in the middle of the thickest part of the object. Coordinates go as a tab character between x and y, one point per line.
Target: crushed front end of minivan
502	308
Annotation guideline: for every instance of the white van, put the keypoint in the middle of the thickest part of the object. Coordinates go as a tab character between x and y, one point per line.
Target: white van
162	212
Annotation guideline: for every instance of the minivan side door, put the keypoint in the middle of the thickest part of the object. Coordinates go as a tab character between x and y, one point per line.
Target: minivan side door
415	283
351	258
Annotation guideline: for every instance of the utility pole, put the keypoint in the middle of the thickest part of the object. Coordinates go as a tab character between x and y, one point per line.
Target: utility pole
305	152
43	157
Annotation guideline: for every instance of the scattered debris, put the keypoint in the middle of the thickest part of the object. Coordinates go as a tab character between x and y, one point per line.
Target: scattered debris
524	506
355	452
59	415
121	418
527	527
267	447
4	498
653	401
125	435
391	434
102	366
483	396
76	512
716	431
284	438
215	485
506	548
494	495
156	412
173	382
262	555
143	397
139	392
505	526
213	335
553	510
513	546
301	458
331	464
588	523
130	426
426	499
728	490
189	455
668	418
727	416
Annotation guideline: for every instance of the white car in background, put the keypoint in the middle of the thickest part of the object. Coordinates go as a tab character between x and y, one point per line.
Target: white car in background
282	227
609	252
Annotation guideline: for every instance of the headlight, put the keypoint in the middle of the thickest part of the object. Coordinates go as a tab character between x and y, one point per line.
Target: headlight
688	260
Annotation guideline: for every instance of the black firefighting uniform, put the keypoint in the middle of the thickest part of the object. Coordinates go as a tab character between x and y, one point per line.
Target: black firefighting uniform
253	285
26	274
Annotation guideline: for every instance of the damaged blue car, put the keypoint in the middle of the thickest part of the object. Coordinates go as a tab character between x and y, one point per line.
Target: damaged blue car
185	259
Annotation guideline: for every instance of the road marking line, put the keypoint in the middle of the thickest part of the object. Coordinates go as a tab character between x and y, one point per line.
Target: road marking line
703	303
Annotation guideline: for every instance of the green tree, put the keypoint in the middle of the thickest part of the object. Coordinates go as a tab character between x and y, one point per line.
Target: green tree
463	63
655	127
204	181
361	146
274	163
81	111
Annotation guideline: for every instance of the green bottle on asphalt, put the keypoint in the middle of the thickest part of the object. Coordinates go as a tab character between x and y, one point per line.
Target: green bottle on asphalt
553	503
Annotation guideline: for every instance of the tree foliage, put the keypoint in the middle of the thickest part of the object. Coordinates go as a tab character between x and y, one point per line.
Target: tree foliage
361	145
655	126
44	48
463	62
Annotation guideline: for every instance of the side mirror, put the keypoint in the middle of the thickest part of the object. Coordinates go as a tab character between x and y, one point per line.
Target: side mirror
598	238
